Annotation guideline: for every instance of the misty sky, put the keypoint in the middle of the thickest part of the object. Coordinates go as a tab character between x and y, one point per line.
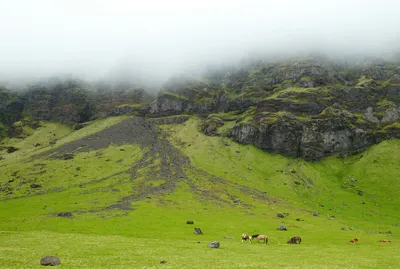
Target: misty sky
92	37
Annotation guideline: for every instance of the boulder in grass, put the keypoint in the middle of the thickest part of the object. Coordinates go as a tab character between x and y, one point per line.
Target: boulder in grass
50	261
214	244
64	214
197	231
282	228
11	149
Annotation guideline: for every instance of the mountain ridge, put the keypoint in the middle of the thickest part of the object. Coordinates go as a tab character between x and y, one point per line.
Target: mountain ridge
309	107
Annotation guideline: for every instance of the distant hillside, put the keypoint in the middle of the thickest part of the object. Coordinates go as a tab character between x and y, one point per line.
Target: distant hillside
152	175
303	107
68	101
309	107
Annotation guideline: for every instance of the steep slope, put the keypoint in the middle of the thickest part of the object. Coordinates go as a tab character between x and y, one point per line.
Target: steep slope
121	189
132	163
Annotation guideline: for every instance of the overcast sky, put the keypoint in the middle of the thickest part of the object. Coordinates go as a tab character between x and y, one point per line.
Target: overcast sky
91	37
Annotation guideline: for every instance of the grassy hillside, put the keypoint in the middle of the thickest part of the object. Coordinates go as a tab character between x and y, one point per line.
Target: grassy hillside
131	186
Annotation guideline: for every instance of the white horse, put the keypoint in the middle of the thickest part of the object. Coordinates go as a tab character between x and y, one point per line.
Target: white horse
246	237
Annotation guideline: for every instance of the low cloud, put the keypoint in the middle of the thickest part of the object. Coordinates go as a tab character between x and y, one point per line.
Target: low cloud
97	39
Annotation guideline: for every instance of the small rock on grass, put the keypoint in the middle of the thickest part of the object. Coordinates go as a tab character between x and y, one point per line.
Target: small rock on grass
50	261
214	244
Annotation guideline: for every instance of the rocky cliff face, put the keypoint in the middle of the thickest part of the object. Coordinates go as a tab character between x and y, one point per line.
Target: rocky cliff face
304	107
309	108
338	121
67	110
62	101
69	101
171	104
11	108
310	139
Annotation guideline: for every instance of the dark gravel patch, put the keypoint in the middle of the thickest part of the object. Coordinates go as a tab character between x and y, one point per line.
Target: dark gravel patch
130	131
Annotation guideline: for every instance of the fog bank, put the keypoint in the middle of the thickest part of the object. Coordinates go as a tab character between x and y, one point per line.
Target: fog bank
152	40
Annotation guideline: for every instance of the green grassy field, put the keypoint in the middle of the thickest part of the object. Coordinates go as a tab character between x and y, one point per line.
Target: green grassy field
24	249
227	189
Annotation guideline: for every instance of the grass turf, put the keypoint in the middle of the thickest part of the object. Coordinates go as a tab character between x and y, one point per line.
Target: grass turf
230	189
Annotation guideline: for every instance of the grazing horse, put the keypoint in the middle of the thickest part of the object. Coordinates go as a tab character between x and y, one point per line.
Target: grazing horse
294	240
354	240
246	237
385	241
261	237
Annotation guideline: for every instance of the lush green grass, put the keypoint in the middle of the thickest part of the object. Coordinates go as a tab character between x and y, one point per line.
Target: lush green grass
43	135
52	132
230	189
62	174
375	170
23	250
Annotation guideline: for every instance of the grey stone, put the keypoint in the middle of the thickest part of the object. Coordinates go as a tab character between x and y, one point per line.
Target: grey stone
197	231
50	261
282	228
64	214
214	244
369	116
391	115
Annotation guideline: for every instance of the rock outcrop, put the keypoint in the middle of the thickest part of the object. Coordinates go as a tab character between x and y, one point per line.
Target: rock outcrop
65	105
211	124
311	139
168	104
127	110
309	108
391	115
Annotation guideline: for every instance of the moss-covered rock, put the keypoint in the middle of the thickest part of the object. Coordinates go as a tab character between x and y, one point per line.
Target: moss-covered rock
211	124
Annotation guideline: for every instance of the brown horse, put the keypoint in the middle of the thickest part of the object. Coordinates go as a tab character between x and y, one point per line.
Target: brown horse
246	237
261	237
385	241
354	240
294	240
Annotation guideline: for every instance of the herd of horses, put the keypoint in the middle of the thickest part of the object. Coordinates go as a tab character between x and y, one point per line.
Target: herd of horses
264	239
355	240
294	240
